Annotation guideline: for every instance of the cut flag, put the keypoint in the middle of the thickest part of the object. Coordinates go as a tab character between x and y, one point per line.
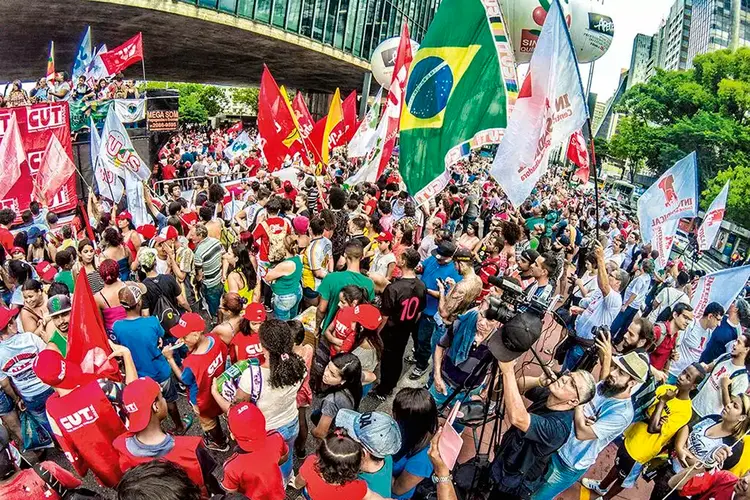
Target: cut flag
88	345
121	57
12	155
83	57
51	63
55	169
106	179
335	116
276	126
364	138
579	155
550	107
237	127
305	124
117	152
709	228
721	286
458	95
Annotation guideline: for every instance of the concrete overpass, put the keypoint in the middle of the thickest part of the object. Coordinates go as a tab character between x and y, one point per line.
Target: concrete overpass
313	45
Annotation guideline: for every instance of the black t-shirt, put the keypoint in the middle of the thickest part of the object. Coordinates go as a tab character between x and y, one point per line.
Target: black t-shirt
402	301
519	468
163	284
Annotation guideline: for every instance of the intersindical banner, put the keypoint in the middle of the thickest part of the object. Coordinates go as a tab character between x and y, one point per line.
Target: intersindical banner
37	124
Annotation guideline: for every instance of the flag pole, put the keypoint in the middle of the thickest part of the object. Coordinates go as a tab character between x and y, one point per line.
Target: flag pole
143	68
596	175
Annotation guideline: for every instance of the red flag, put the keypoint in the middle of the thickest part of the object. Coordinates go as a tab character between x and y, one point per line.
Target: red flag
55	169
306	125
344	131
11	156
87	341
237	127
121	57
276	125
579	155
396	97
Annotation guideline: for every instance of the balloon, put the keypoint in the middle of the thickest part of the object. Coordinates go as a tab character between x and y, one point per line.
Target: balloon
591	29
384	58
525	19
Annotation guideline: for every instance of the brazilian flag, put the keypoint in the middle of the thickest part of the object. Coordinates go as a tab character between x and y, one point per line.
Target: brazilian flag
457	97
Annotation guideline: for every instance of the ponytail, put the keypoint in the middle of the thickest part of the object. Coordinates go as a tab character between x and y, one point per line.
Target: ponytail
287	368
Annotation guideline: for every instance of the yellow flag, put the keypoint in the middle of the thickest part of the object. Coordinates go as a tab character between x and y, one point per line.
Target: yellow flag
335	115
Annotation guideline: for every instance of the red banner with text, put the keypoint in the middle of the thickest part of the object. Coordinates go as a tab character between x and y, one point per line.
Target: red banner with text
37	123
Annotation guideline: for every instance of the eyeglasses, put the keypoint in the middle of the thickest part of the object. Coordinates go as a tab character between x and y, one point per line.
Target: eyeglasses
572	381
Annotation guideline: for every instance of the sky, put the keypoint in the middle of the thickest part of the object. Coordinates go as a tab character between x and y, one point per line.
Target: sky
630	18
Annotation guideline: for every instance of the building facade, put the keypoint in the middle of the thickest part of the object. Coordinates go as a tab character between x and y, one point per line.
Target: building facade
641	63
711	27
674	46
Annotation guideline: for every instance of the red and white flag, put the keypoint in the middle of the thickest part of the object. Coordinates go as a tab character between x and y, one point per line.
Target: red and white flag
237	127
662	240
550	107
579	155
121	57
712	221
722	286
55	169
11	156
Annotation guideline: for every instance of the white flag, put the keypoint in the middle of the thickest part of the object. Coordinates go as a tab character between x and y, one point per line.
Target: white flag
550	107
241	144
369	170
130	110
365	136
673	196
722	287
12	156
117	152
663	239
712	221
136	200
96	70
106	180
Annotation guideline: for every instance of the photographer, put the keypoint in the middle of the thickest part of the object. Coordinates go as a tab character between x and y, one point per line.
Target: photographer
598	309
536	432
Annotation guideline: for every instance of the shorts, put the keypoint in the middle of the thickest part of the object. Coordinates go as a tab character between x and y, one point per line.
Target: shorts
627	468
169	390
208	424
309	293
6	405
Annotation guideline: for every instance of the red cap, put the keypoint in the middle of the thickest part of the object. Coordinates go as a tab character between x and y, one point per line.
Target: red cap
385	236
46	271
52	369
368	316
137	398
248	425
189	323
124	215
147	231
6	315
255	312
17	250
167	233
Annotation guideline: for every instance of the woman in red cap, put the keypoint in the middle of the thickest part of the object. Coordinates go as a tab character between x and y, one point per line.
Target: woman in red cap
129	235
246	344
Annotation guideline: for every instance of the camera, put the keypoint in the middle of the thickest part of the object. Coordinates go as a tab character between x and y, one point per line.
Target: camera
511	302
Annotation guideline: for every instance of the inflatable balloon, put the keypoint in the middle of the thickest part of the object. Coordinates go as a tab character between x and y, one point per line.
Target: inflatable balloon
591	29
525	19
384	58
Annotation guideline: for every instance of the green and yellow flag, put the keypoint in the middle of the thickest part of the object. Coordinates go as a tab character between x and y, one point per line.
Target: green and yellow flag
461	88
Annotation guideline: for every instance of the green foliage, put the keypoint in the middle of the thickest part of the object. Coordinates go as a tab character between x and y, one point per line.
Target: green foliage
192	110
212	99
247	96
738	200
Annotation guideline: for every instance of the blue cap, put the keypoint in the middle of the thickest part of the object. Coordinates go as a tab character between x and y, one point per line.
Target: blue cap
377	432
33	233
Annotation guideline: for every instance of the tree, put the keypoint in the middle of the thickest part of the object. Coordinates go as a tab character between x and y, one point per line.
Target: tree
192	110
247	96
213	99
738	201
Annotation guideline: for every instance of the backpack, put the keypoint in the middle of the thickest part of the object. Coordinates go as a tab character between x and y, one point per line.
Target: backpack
276	250
456	210
163	310
228	237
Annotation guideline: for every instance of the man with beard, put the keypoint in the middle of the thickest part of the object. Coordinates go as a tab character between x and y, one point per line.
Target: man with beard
595	425
525	273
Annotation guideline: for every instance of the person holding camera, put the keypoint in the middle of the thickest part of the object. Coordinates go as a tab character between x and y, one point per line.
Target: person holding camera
538	431
543	287
598	309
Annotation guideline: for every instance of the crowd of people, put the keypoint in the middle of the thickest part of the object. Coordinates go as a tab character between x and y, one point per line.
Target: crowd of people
275	308
60	87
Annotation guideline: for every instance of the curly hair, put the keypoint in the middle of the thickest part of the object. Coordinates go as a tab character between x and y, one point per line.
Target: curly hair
287	368
215	193
511	232
109	271
339	458
112	237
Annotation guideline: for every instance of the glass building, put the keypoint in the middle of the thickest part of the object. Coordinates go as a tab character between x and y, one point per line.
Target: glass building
354	26
711	27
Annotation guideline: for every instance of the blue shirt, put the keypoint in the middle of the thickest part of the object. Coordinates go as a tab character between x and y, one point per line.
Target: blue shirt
718	340
141	336
417	465
380	481
432	270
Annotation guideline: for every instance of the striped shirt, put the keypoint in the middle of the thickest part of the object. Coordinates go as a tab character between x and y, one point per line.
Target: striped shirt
312	200
208	257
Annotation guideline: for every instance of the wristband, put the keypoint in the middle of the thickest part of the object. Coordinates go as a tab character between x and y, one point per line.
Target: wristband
442	479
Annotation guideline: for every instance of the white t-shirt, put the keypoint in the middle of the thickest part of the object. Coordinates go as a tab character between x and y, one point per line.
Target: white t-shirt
618	259
278	404
708	401
590	283
638	287
427	246
690	346
17	356
598	311
381	261
668	297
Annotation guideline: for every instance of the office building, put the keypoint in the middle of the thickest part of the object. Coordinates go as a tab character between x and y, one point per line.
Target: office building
641	63
711	27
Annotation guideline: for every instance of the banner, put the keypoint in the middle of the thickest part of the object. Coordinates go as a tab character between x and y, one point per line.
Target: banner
241	144
237	127
550	107
107	182
579	155
663	239
121	57
12	156
722	286
364	138
462	85
162	110
55	169
130	110
673	196
712	221
117	152
36	125
83	57
136	199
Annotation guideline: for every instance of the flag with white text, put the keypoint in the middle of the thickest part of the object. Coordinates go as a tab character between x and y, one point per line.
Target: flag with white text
722	286
712	221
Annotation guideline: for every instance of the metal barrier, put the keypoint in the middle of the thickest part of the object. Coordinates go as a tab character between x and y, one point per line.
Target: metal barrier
188	183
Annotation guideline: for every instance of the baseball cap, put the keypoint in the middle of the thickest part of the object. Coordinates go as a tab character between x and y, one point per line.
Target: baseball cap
58	304
385	236
137	398
530	255
515	337
462	255
248	425
46	271
166	234
6	315
146	257
445	249
189	322
146	230
377	432
17	250
634	364
52	369
301	224
129	296
124	215
368	316
255	312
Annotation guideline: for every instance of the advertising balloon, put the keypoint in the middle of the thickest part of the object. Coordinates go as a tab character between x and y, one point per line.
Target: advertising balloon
591	29
525	19
383	59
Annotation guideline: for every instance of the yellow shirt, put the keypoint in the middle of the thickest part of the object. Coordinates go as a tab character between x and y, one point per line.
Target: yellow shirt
641	445
743	466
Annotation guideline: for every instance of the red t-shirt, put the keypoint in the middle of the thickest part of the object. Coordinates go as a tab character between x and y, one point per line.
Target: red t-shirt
257	474
318	489
27	485
276	225
660	355
716	486
253	164
246	347
6	239
168	172
203	369
370	206
343	329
